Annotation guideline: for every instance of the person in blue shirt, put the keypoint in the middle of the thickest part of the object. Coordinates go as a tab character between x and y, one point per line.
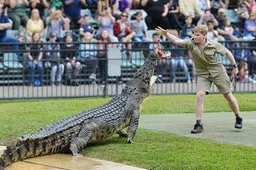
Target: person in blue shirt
72	9
86	26
187	29
88	55
5	24
250	26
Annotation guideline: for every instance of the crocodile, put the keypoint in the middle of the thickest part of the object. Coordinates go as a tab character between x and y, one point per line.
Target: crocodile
74	132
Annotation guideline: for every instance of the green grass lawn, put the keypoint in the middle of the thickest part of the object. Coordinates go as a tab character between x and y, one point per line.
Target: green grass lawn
151	150
162	151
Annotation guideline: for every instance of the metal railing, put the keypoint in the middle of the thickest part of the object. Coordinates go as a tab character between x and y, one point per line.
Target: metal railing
116	64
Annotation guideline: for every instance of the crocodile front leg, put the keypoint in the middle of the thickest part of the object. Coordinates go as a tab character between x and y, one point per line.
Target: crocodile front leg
81	140
133	125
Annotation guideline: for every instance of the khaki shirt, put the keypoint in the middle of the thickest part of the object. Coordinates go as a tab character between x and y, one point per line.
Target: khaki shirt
205	57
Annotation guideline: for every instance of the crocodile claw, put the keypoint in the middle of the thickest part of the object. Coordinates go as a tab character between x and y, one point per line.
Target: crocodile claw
130	141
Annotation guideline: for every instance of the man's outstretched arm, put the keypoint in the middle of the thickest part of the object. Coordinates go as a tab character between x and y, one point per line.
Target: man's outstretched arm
175	40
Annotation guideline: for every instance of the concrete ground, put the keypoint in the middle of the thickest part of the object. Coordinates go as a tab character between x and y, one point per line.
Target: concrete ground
217	126
66	162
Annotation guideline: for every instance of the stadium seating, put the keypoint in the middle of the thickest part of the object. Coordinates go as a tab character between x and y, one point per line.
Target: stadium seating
88	12
150	34
11	61
231	14
12	33
133	11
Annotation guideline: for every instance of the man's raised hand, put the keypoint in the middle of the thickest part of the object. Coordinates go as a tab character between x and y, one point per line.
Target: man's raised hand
161	31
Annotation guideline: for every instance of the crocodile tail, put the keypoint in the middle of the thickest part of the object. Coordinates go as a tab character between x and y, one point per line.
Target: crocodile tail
30	148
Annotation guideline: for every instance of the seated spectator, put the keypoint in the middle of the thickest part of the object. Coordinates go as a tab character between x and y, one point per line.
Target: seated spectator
242	10
72	10
140	28
88	55
187	29
178	59
162	65
251	63
41	5
5	25
55	23
190	8
157	13
57	4
17	13
250	27
248	78
212	34
124	32
220	17
217	4
120	6
242	54
207	16
174	11
252	8
102	5
86	26
35	56
53	61
102	46
227	31
34	24
106	22
68	54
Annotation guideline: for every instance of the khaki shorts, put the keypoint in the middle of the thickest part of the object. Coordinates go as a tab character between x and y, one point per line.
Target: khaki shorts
222	82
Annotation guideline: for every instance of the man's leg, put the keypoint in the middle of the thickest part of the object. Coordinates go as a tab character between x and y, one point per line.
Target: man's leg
233	104
199	104
203	86
226	90
199	108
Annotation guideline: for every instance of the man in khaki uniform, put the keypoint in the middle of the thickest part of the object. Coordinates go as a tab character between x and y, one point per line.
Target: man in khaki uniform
209	70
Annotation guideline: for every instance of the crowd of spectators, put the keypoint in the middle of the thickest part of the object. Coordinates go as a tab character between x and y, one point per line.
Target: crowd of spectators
64	21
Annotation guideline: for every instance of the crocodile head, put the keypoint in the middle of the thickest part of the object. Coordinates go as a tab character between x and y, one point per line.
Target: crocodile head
141	84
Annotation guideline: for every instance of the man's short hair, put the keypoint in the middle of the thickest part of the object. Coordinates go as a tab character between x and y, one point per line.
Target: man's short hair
203	29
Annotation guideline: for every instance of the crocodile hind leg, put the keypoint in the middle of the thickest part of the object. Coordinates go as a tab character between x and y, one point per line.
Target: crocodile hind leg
133	125
81	140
